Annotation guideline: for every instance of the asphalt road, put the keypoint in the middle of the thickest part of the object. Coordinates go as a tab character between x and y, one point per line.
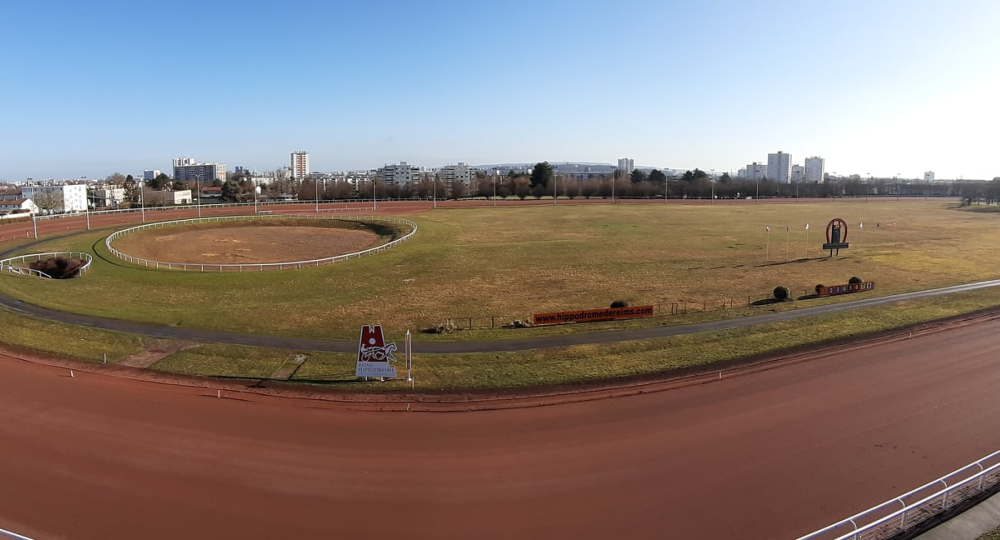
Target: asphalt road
771	454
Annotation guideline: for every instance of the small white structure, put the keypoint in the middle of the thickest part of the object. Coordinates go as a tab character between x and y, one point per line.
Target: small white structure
58	198
12	208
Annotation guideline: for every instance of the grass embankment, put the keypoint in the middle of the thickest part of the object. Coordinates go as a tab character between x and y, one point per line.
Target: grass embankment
511	262
74	341
581	363
992	535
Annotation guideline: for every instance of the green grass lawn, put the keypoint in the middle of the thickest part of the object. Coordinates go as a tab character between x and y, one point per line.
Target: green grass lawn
511	262
580	363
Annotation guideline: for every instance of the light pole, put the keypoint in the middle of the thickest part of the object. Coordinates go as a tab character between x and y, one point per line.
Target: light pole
34	224
197	187
142	200
613	187
712	179
494	190
254	197
434	192
555	188
374	199
316	184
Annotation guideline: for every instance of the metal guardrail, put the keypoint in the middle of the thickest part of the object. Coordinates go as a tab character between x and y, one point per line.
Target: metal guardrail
255	266
11	265
8	534
913	509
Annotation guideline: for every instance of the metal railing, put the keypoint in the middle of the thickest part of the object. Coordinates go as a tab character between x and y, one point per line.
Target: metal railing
9	534
12	265
906	512
218	267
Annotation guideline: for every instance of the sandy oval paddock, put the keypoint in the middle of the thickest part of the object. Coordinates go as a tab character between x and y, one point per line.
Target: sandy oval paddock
244	244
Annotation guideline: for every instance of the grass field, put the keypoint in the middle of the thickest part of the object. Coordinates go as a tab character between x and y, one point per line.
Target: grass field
580	363
511	262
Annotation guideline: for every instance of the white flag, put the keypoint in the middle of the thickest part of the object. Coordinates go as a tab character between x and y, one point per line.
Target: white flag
807	226
861	225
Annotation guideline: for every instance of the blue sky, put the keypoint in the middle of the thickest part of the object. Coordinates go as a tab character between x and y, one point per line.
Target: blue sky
880	87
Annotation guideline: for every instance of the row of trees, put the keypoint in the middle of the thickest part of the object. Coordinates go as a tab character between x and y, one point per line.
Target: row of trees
543	182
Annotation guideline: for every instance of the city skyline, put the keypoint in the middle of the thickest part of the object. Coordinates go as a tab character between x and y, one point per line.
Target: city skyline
876	89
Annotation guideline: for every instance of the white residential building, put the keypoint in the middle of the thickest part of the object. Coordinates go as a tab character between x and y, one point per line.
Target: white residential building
107	197
778	167
627	165
167	197
12	207
149	175
815	169
401	174
929	176
58	198
187	169
798	173
300	164
756	171
449	174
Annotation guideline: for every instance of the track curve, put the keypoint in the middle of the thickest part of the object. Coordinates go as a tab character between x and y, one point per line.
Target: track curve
772	454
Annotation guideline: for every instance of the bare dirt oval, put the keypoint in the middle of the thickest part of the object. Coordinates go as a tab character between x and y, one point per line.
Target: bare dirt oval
247	242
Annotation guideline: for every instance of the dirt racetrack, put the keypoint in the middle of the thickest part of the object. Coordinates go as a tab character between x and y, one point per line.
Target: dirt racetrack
774	454
243	244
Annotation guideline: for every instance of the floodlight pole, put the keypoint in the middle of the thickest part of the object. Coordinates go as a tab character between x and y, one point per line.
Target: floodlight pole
197	187
374	199
555	189
142	200
255	198
612	188
316	184
494	191
34	224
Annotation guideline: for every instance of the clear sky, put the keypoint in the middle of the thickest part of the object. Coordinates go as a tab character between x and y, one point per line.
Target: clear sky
881	87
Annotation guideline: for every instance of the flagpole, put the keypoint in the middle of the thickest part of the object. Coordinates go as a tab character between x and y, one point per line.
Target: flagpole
861	236
767	245
409	359
788	236
878	226
807	240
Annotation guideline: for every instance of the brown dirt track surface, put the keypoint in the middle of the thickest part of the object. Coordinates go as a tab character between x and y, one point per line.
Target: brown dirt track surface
243	245
771	454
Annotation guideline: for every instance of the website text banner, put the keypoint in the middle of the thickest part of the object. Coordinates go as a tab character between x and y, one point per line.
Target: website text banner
594	315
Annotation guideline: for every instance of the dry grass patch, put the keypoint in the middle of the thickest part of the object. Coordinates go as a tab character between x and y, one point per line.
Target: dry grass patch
512	262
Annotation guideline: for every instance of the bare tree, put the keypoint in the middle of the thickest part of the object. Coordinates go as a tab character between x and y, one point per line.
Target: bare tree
49	200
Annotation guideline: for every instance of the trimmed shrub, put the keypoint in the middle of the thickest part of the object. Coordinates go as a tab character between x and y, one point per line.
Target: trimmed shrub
780	293
619	303
854	280
58	267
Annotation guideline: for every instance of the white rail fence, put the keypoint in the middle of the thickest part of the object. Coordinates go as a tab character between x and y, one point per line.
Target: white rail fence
15	265
8	534
214	267
912	510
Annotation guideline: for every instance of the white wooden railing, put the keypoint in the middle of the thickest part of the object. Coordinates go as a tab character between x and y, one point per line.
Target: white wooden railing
911	510
14	265
214	267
